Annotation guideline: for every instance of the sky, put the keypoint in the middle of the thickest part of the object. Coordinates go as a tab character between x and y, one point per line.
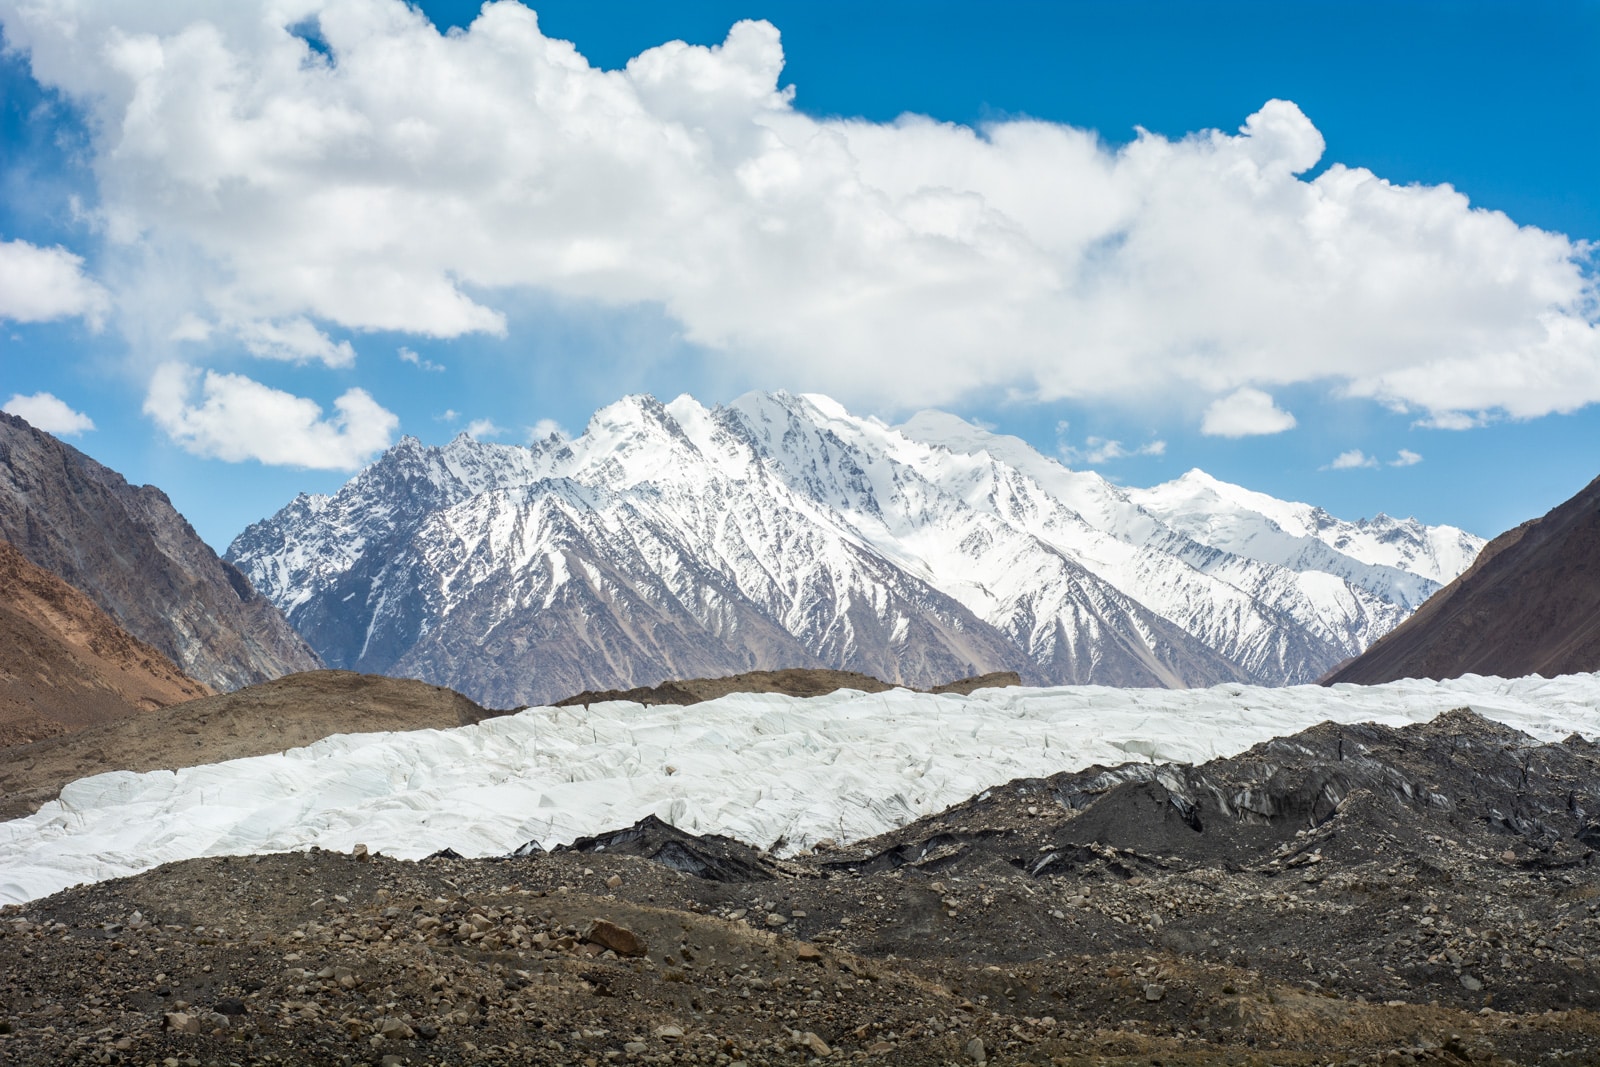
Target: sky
1336	252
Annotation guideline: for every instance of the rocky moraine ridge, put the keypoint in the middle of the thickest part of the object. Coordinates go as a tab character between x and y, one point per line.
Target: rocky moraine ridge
1347	895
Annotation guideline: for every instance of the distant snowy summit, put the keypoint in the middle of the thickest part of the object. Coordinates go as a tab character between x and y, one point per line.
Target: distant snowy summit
676	540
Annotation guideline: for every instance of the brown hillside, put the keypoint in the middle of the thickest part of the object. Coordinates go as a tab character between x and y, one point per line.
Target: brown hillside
65	664
1530	604
140	561
285	713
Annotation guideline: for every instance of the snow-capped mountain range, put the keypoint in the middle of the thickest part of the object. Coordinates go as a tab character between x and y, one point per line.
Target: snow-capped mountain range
676	540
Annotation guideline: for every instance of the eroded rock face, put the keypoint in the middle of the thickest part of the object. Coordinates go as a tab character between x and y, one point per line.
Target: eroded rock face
130	551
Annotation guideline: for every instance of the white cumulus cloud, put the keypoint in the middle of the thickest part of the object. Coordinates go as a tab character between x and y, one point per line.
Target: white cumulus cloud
408	355
545	429
47	412
295	341
43	284
1405	458
1245	412
235	418
1097	450
478	429
1351	460
416	180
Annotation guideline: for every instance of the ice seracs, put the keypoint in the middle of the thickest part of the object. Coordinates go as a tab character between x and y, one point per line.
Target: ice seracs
758	767
679	540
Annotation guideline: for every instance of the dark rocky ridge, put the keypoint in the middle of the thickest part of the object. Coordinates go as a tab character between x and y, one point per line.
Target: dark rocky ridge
1348	895
794	682
140	561
1529	604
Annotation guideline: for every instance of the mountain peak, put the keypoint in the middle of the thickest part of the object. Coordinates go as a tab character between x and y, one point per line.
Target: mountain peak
783	530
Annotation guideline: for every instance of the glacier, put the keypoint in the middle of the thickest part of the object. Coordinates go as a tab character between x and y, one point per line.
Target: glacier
779	772
679	540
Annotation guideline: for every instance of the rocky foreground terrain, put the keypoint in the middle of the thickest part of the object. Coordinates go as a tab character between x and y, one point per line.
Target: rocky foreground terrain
1346	895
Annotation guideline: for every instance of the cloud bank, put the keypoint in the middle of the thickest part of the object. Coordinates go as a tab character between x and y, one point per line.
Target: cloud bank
231	417
1245	412
411	181
43	284
48	412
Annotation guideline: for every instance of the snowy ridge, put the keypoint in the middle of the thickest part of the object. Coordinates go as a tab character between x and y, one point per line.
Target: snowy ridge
676	540
770	770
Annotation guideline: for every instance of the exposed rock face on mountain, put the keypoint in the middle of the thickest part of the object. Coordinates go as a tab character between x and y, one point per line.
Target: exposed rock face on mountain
286	713
65	664
140	561
1530	604
782	531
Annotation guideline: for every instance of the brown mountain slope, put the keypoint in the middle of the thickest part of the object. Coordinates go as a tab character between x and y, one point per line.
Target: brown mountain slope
136	557
65	664
1529	605
286	713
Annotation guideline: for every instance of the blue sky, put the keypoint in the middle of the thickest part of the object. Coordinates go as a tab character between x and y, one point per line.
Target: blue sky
542	239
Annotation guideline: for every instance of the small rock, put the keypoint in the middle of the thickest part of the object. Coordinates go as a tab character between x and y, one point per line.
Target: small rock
614	882
635	1048
1471	984
976	1052
395	1030
360	852
231	1006
618	939
180	1023
1508	856
775	920
817	1046
1154	991
669	1031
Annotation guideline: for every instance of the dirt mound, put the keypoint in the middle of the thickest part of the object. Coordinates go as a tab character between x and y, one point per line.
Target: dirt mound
796	682
1347	895
286	713
1529	604
65	664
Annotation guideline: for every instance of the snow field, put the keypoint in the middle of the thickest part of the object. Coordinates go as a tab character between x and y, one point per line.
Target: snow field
765	769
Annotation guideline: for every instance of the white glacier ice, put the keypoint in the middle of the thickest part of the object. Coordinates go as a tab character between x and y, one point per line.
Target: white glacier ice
760	768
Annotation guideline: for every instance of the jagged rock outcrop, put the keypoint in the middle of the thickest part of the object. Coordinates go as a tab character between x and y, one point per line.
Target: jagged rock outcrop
1530	604
130	551
675	540
65	664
